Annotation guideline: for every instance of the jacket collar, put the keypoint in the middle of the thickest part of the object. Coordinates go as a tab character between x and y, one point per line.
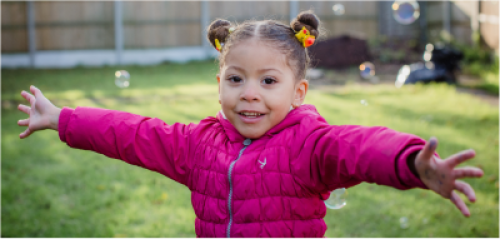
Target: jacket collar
294	117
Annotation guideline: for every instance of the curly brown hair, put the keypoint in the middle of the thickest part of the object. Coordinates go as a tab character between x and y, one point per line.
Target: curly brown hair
273	33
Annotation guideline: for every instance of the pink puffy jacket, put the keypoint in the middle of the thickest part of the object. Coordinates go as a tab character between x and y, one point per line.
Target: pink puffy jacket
273	186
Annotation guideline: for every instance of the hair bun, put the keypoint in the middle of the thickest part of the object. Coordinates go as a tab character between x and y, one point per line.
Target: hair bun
218	29
306	19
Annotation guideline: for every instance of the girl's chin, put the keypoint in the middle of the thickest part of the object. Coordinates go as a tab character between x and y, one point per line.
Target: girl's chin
251	132
252	135
250	127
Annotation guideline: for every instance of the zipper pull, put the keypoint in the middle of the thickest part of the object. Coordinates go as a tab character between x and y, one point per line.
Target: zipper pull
247	142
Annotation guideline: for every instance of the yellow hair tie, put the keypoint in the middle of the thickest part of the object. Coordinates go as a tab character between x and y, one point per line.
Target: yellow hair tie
305	37
217	45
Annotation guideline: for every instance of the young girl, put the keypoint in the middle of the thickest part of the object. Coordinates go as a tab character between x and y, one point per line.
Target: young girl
263	166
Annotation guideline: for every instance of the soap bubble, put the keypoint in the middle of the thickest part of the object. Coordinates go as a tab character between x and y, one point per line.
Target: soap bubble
427	56
364	102
122	79
429	47
428	52
336	199
403	222
367	70
405	12
403	74
338	9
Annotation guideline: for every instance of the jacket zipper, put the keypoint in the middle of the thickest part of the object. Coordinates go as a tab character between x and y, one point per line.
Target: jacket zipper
228	230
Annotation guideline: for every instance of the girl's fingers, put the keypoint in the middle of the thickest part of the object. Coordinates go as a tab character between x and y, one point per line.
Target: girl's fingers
24	108
455	199
25	134
459	158
467	172
429	148
36	92
466	189
24	122
29	97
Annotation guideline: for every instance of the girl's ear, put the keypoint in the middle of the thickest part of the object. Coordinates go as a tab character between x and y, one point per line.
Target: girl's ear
300	92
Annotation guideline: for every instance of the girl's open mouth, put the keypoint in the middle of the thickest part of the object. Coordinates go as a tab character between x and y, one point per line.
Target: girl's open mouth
250	117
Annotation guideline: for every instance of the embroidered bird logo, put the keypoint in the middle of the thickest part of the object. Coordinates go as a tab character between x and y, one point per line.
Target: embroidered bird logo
262	164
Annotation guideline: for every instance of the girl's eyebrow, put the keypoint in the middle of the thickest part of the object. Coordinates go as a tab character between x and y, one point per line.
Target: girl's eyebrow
269	69
260	70
236	68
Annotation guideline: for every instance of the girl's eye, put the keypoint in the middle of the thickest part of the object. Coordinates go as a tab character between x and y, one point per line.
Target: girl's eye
269	81
235	79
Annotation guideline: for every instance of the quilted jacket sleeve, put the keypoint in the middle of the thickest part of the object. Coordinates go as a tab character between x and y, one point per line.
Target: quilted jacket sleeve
146	142
343	156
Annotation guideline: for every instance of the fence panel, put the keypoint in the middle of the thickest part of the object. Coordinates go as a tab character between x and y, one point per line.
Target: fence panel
90	25
161	24
14	30
238	12
461	12
460	20
74	25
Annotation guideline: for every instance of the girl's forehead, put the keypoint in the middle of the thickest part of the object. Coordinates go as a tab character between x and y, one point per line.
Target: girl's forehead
253	52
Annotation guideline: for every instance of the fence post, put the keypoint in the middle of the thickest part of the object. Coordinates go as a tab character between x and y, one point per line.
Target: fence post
447	17
205	19
294	9
118	32
423	23
474	24
30	10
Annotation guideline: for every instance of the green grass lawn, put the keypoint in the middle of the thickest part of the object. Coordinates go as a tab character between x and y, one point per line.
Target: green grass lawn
51	190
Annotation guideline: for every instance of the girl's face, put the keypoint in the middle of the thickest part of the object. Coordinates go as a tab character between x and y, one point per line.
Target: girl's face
257	88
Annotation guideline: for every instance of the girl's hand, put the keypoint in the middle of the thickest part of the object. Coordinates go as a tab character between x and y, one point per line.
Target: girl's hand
441	175
42	113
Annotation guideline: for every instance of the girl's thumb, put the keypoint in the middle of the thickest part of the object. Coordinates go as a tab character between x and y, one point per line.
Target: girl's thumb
429	148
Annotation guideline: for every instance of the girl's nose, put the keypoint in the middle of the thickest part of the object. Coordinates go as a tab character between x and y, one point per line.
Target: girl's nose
250	92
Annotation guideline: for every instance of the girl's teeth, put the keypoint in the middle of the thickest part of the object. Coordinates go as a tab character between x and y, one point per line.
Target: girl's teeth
250	114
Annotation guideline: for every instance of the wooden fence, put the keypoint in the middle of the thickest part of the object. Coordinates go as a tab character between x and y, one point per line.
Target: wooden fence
146	25
489	24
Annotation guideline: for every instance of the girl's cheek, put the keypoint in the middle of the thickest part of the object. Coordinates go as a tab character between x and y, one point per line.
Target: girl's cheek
228	99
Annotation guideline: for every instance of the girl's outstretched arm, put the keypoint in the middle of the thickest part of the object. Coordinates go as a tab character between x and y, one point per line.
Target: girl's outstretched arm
42	114
441	175
143	141
343	156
